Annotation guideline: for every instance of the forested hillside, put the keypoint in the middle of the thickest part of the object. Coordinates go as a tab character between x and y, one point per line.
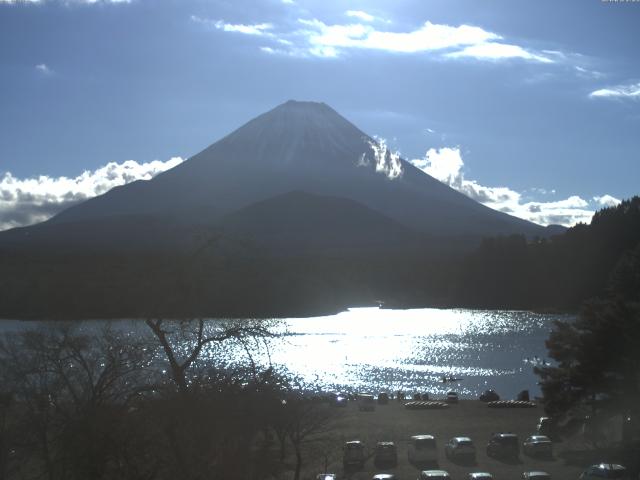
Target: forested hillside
559	273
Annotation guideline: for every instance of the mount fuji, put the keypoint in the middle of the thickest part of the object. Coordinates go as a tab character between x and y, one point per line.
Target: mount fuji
302	147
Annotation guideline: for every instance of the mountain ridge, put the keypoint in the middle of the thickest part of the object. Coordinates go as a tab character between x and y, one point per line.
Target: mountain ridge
302	146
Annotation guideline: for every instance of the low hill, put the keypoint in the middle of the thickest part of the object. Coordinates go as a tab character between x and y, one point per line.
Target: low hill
298	223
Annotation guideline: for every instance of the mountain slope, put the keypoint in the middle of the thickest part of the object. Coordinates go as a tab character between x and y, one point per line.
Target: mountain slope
299	222
300	146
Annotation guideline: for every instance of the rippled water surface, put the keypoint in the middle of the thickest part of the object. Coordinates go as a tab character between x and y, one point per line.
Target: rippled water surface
371	349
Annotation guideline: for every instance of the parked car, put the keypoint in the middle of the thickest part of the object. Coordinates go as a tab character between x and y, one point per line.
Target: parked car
460	448
434	475
538	446
353	454
452	397
422	449
536	475
386	453
489	396
326	476
503	445
480	476
366	403
383	398
605	470
384	476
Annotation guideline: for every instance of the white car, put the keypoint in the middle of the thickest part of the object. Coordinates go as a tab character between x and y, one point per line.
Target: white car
460	448
384	476
480	476
605	470
326	476
536	475
422	449
452	397
434	475
538	445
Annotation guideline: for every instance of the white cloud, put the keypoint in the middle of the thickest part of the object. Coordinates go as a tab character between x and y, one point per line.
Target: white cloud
360	15
257	29
587	73
31	200
446	164
607	201
631	91
498	51
318	39
43	68
429	37
385	160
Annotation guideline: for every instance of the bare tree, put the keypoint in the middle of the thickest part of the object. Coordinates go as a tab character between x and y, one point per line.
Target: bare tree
307	422
182	341
70	390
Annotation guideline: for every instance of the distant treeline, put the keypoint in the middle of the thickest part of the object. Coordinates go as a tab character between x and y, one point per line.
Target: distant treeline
560	273
83	285
505	272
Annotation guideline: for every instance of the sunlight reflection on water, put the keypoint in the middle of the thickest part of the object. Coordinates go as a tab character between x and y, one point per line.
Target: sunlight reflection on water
371	349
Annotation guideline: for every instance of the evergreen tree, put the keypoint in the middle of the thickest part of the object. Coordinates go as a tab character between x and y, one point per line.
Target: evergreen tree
598	355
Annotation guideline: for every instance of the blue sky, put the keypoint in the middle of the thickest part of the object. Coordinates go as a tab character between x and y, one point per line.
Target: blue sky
530	107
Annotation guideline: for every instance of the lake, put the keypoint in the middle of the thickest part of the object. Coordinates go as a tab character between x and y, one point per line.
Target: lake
371	350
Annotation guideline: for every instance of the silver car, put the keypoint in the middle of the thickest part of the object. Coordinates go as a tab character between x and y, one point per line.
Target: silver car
460	448
605	470
538	445
480	476
434	475
536	475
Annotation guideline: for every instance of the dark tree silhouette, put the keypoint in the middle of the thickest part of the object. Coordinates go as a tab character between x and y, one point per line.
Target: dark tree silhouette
69	394
183	341
598	360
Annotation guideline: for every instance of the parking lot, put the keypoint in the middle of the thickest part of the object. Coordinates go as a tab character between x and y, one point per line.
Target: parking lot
470	418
